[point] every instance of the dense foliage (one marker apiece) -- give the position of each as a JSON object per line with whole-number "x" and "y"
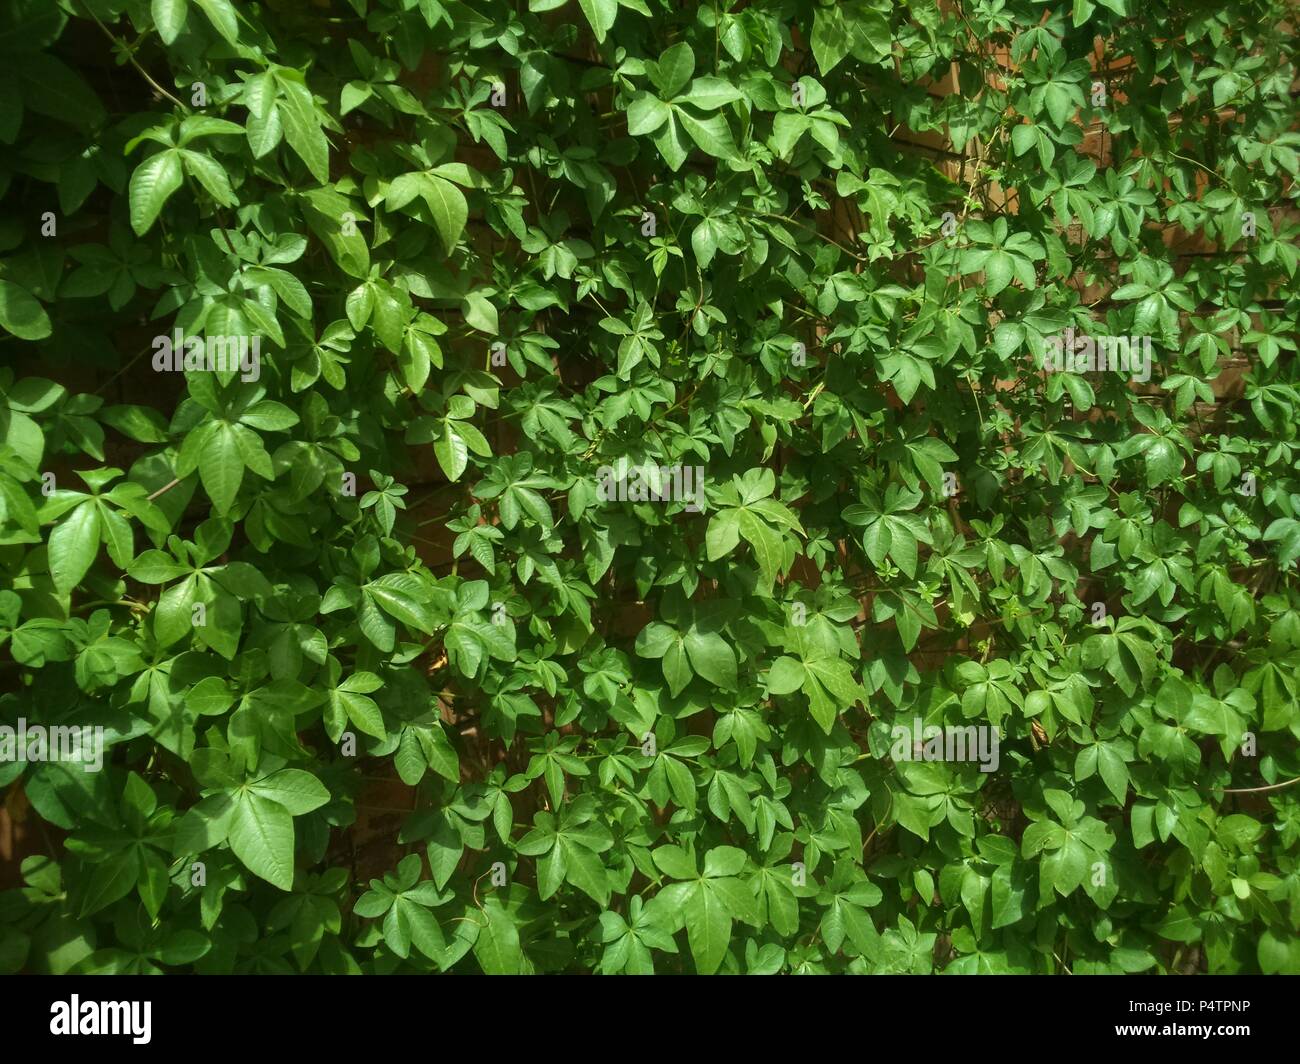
{"x": 489, "y": 251}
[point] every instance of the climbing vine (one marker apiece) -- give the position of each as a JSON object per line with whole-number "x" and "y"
{"x": 618, "y": 486}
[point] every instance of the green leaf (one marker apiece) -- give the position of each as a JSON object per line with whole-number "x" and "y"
{"x": 585, "y": 871}
{"x": 712, "y": 134}
{"x": 710, "y": 93}
{"x": 785, "y": 676}
{"x": 298, "y": 791}
{"x": 221, "y": 466}
{"x": 21, "y": 314}
{"x": 261, "y": 835}
{"x": 302, "y": 127}
{"x": 768, "y": 550}
{"x": 221, "y": 13}
{"x": 74, "y": 542}
{"x": 452, "y": 451}
{"x": 440, "y": 754}
{"x": 449, "y": 210}
{"x": 831, "y": 37}
{"x": 152, "y": 184}
{"x": 169, "y": 18}
{"x": 336, "y": 221}
{"x": 998, "y": 271}
{"x": 675, "y": 68}
{"x": 497, "y": 947}
{"x": 712, "y": 658}
{"x": 646, "y": 114}
{"x": 601, "y": 15}
{"x": 708, "y": 928}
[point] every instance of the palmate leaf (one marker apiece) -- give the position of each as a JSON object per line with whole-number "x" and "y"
{"x": 453, "y": 446}
{"x": 761, "y": 521}
{"x": 706, "y": 904}
{"x": 689, "y": 653}
{"x": 350, "y": 704}
{"x": 827, "y": 681}
{"x": 261, "y": 822}
{"x": 889, "y": 531}
{"x": 518, "y": 488}
{"x": 446, "y": 203}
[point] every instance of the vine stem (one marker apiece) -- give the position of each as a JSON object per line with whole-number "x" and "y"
{"x": 134, "y": 62}
{"x": 165, "y": 489}
{"x": 1260, "y": 790}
